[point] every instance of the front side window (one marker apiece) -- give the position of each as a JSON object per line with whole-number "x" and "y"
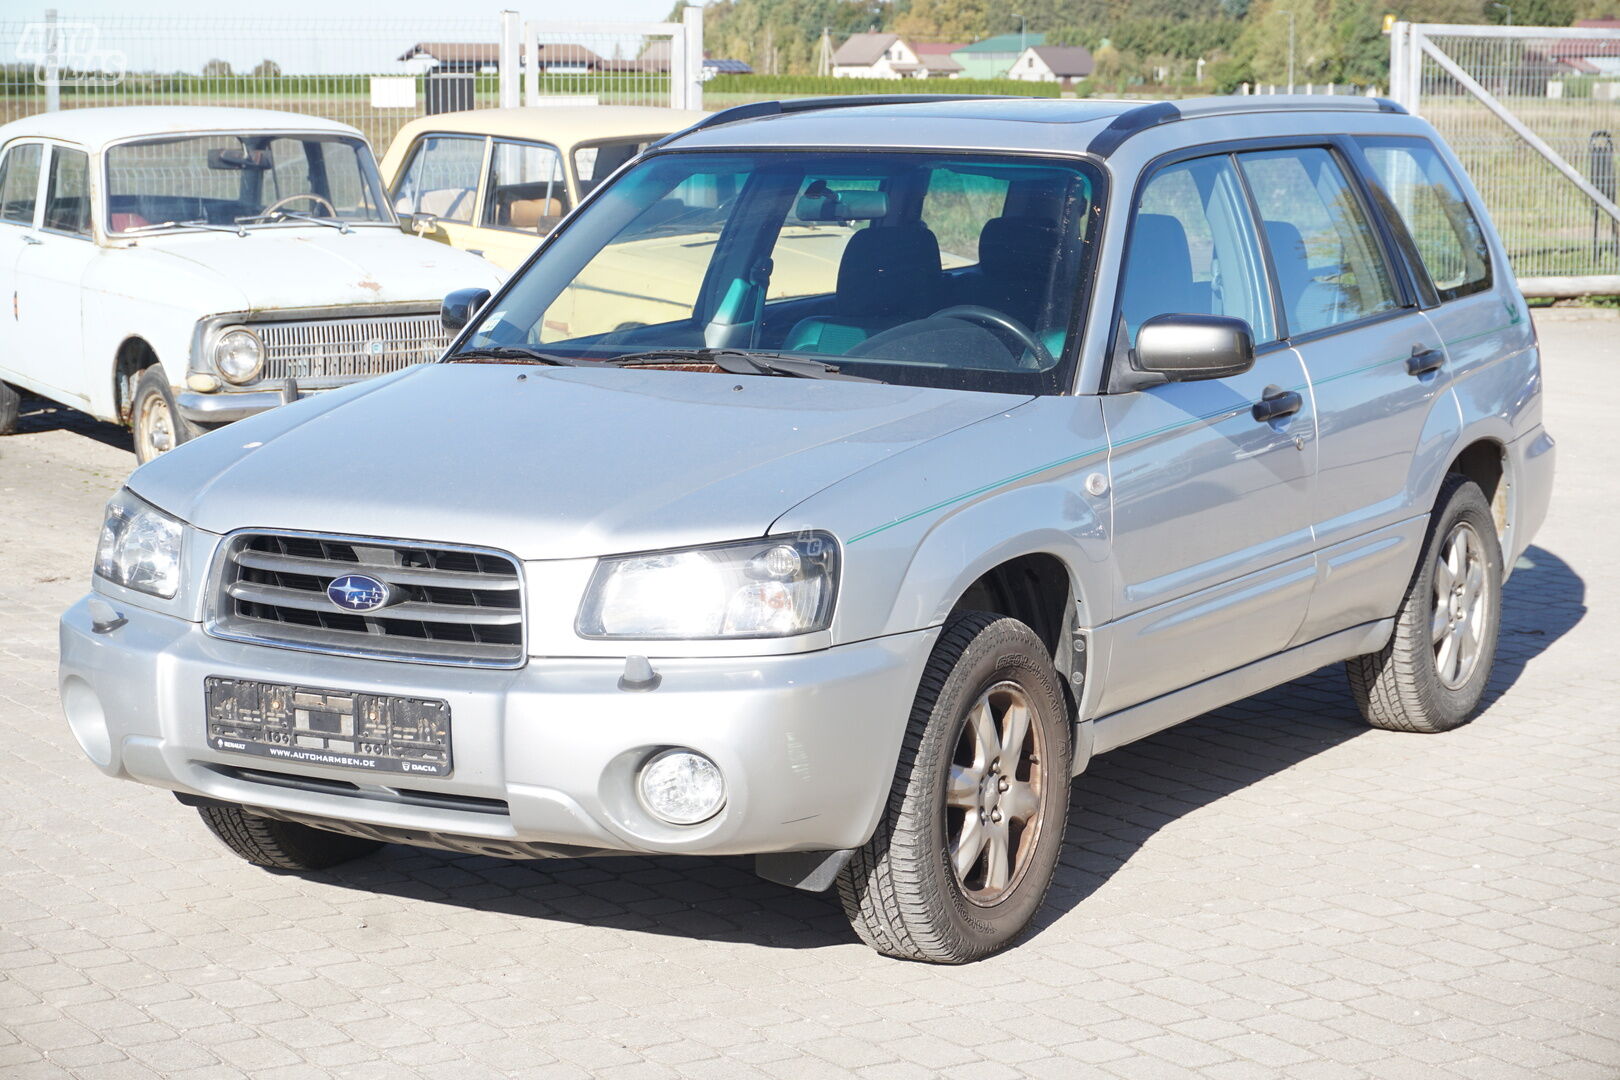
{"x": 67, "y": 192}
{"x": 19, "y": 183}
{"x": 1431, "y": 206}
{"x": 1330, "y": 267}
{"x": 442, "y": 178}
{"x": 1193, "y": 250}
{"x": 929, "y": 269}
{"x": 526, "y": 191}
{"x": 245, "y": 180}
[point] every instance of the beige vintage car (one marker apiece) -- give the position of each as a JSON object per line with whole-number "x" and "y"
{"x": 494, "y": 181}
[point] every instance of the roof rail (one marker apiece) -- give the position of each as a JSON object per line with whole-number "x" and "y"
{"x": 842, "y": 101}
{"x": 1152, "y": 114}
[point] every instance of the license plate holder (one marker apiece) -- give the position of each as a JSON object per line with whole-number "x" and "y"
{"x": 348, "y": 729}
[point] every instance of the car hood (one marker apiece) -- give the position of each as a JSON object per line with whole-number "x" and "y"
{"x": 549, "y": 463}
{"x": 316, "y": 266}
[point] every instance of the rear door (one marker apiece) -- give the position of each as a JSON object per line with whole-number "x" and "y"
{"x": 1374, "y": 363}
{"x": 22, "y": 175}
{"x": 1212, "y": 535}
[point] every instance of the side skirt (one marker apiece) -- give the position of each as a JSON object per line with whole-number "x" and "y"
{"x": 1139, "y": 721}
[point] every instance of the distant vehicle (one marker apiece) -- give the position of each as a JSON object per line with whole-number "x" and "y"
{"x": 494, "y": 181}
{"x": 1211, "y": 393}
{"x": 176, "y": 268}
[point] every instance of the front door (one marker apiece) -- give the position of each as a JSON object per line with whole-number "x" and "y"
{"x": 439, "y": 186}
{"x": 48, "y": 282}
{"x": 1212, "y": 532}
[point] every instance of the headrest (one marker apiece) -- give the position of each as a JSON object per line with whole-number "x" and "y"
{"x": 1017, "y": 245}
{"x": 890, "y": 270}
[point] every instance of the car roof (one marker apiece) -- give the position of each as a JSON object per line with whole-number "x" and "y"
{"x": 561, "y": 125}
{"x": 96, "y": 127}
{"x": 992, "y": 123}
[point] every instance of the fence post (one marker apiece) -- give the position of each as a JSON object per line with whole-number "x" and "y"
{"x": 53, "y": 77}
{"x": 507, "y": 63}
{"x": 692, "y": 20}
{"x": 531, "y": 65}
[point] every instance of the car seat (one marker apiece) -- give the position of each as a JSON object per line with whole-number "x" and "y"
{"x": 889, "y": 274}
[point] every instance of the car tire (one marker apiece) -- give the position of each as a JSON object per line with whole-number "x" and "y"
{"x": 10, "y": 407}
{"x": 1432, "y": 674}
{"x": 903, "y": 890}
{"x": 281, "y": 845}
{"x": 154, "y": 420}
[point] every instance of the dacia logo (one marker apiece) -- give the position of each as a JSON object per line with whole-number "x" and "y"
{"x": 357, "y": 592}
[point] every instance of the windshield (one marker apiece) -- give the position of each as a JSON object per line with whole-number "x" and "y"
{"x": 241, "y": 180}
{"x": 929, "y": 269}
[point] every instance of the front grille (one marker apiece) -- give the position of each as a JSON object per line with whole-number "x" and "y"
{"x": 343, "y": 349}
{"x": 450, "y": 605}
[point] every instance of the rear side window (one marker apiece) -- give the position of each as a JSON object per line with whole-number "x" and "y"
{"x": 1330, "y": 267}
{"x": 1193, "y": 250}
{"x": 526, "y": 190}
{"x": 1444, "y": 230}
{"x": 442, "y": 179}
{"x": 19, "y": 183}
{"x": 67, "y": 195}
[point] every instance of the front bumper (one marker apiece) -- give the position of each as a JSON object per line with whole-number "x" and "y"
{"x": 807, "y": 742}
{"x": 225, "y": 406}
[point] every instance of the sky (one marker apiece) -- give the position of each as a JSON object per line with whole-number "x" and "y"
{"x": 324, "y": 36}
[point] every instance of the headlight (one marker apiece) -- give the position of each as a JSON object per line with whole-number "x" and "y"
{"x": 238, "y": 355}
{"x": 140, "y": 546}
{"x": 774, "y": 587}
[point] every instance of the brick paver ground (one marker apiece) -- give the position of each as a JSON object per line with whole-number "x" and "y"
{"x": 1269, "y": 891}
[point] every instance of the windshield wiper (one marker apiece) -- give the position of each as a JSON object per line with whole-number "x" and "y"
{"x": 198, "y": 223}
{"x": 739, "y": 362}
{"x": 518, "y": 354}
{"x": 331, "y": 223}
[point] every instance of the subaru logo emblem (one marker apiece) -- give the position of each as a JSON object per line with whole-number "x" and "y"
{"x": 357, "y": 592}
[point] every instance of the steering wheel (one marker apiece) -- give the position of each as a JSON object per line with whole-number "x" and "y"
{"x": 999, "y": 320}
{"x": 310, "y": 195}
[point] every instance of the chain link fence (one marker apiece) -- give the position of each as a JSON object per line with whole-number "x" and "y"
{"x": 1562, "y": 87}
{"x": 373, "y": 74}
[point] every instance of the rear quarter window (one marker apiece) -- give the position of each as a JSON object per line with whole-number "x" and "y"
{"x": 1426, "y": 197}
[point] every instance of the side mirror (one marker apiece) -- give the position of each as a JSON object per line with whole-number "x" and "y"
{"x": 1185, "y": 348}
{"x": 460, "y": 306}
{"x": 418, "y": 224}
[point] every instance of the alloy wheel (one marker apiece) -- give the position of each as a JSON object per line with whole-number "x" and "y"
{"x": 993, "y": 799}
{"x": 1462, "y": 610}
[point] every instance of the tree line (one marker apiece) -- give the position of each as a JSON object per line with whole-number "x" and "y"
{"x": 1134, "y": 42}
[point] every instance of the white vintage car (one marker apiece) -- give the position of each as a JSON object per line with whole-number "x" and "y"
{"x": 176, "y": 268}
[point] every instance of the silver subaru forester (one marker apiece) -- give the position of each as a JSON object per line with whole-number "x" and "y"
{"x": 832, "y": 485}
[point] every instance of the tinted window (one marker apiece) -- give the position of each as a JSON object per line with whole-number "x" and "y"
{"x": 1330, "y": 268}
{"x": 442, "y": 179}
{"x": 593, "y": 164}
{"x": 19, "y": 183}
{"x": 1193, "y": 250}
{"x": 526, "y": 190}
{"x": 1444, "y": 230}
{"x": 67, "y": 194}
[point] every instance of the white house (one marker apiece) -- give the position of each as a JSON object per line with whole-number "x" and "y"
{"x": 1064, "y": 64}
{"x": 887, "y": 56}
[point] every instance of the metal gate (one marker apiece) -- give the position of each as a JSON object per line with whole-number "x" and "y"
{"x": 1533, "y": 112}
{"x": 587, "y": 61}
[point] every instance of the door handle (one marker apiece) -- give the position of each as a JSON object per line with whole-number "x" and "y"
{"x": 1422, "y": 361}
{"x": 1276, "y": 405}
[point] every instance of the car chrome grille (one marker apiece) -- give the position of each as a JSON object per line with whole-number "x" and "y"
{"x": 330, "y": 349}
{"x": 453, "y": 605}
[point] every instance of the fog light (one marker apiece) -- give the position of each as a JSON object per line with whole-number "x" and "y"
{"x": 87, "y": 720}
{"x": 682, "y": 787}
